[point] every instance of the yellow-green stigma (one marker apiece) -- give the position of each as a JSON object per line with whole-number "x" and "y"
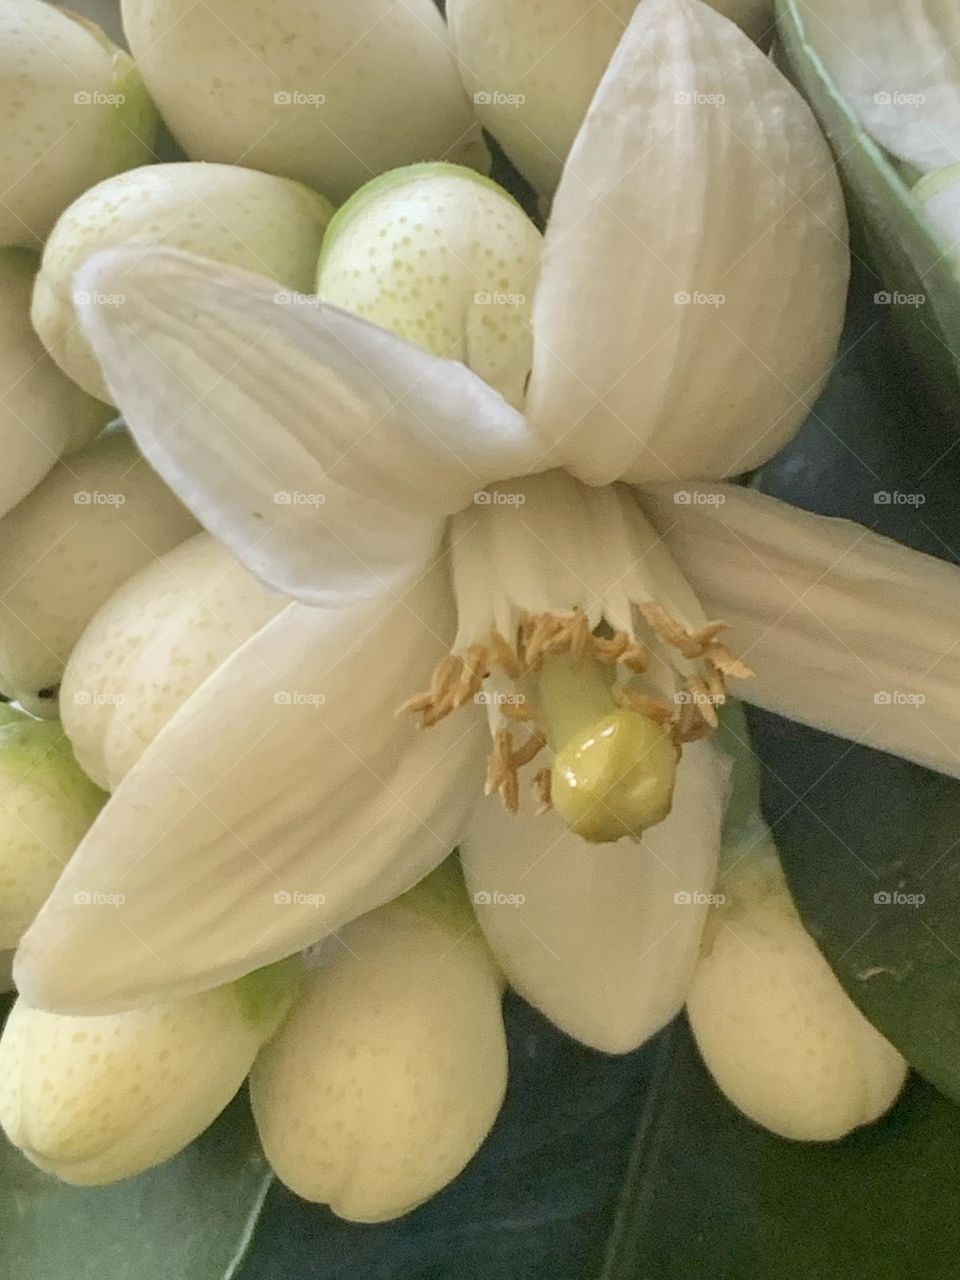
{"x": 614, "y": 768}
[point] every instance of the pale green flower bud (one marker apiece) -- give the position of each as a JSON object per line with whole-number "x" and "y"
{"x": 47, "y": 804}
{"x": 325, "y": 91}
{"x": 74, "y": 111}
{"x": 267, "y": 225}
{"x": 392, "y": 1067}
{"x": 445, "y": 258}
{"x": 86, "y": 528}
{"x": 780, "y": 1036}
{"x": 42, "y": 414}
{"x": 151, "y": 645}
{"x": 97, "y": 1099}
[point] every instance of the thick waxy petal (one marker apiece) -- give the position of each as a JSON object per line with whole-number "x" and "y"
{"x": 532, "y": 69}
{"x": 42, "y": 413}
{"x": 151, "y": 645}
{"x": 281, "y": 801}
{"x": 845, "y": 630}
{"x": 391, "y": 1069}
{"x": 443, "y": 257}
{"x": 694, "y": 269}
{"x": 320, "y": 448}
{"x": 781, "y": 1037}
{"x": 97, "y": 518}
{"x": 898, "y": 61}
{"x": 252, "y": 220}
{"x": 328, "y": 92}
{"x": 73, "y": 110}
{"x": 602, "y": 939}
{"x": 93, "y": 1100}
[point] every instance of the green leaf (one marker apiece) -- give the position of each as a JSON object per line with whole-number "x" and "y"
{"x": 190, "y": 1219}
{"x": 888, "y": 220}
{"x": 710, "y": 1196}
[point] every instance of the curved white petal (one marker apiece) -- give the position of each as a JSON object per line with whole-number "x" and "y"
{"x": 844, "y": 629}
{"x": 319, "y": 447}
{"x": 603, "y": 939}
{"x": 898, "y": 61}
{"x": 282, "y": 800}
{"x": 694, "y": 270}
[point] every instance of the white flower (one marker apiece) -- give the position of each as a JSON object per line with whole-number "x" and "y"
{"x": 384, "y": 455}
{"x": 329, "y": 93}
{"x": 74, "y": 111}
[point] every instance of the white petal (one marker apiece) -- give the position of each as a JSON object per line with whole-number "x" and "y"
{"x": 898, "y": 62}
{"x": 695, "y": 264}
{"x": 95, "y": 519}
{"x": 602, "y": 939}
{"x": 42, "y": 413}
{"x": 845, "y": 630}
{"x": 782, "y": 1038}
{"x": 391, "y": 1070}
{"x": 320, "y": 448}
{"x": 282, "y": 800}
{"x": 152, "y": 644}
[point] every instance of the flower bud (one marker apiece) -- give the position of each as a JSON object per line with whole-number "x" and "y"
{"x": 532, "y": 70}
{"x": 264, "y": 224}
{"x": 74, "y": 111}
{"x": 96, "y": 1099}
{"x": 46, "y": 805}
{"x": 319, "y": 90}
{"x": 151, "y": 645}
{"x": 391, "y": 1069}
{"x": 444, "y": 258}
{"x": 42, "y": 413}
{"x": 65, "y": 549}
{"x": 780, "y": 1036}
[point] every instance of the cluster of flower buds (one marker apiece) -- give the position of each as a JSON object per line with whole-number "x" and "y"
{"x": 334, "y": 193}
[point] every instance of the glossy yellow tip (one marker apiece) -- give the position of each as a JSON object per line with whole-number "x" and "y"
{"x": 615, "y": 778}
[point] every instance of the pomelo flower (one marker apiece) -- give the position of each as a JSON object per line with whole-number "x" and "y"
{"x": 689, "y": 299}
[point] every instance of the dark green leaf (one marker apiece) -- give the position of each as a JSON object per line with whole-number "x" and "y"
{"x": 191, "y": 1219}
{"x": 711, "y": 1196}
{"x": 888, "y": 218}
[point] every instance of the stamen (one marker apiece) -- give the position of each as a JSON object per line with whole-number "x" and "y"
{"x": 544, "y": 638}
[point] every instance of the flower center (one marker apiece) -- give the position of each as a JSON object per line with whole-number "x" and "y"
{"x": 577, "y": 692}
